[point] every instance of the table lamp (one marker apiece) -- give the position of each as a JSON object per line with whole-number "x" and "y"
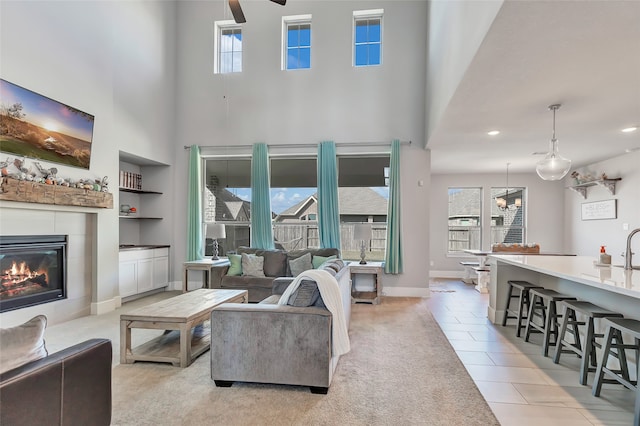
{"x": 215, "y": 231}
{"x": 362, "y": 232}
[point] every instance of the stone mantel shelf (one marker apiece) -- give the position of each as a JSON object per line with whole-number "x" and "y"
{"x": 40, "y": 193}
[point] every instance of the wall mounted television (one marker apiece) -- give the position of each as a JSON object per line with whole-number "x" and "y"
{"x": 35, "y": 126}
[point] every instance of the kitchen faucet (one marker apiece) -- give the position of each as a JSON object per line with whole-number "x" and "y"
{"x": 628, "y": 254}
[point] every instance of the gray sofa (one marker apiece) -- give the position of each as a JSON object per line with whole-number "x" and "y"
{"x": 271, "y": 343}
{"x": 276, "y": 264}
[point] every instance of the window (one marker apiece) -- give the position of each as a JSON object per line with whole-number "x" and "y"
{"x": 367, "y": 37}
{"x": 228, "y": 45}
{"x": 465, "y": 219}
{"x": 296, "y": 42}
{"x": 507, "y": 215}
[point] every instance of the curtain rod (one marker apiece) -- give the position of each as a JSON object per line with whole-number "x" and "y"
{"x": 300, "y": 145}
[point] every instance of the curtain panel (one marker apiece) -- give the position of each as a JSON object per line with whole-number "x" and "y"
{"x": 393, "y": 253}
{"x": 195, "y": 243}
{"x": 261, "y": 226}
{"x": 328, "y": 205}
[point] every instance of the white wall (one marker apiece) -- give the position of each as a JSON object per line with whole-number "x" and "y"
{"x": 584, "y": 237}
{"x": 544, "y": 201}
{"x": 114, "y": 60}
{"x": 331, "y": 101}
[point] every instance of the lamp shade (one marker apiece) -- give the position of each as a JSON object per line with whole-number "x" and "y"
{"x": 216, "y": 230}
{"x": 362, "y": 231}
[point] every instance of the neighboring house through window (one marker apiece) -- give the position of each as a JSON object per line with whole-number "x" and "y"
{"x": 465, "y": 219}
{"x": 296, "y": 41}
{"x": 228, "y": 47}
{"x": 508, "y": 215}
{"x": 367, "y": 37}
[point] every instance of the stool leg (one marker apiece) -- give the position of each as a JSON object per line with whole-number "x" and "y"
{"x": 563, "y": 330}
{"x": 604, "y": 356}
{"x": 636, "y": 417}
{"x": 622, "y": 356}
{"x": 589, "y": 352}
{"x": 548, "y": 321}
{"x": 506, "y": 309}
{"x": 522, "y": 305}
{"x": 527, "y": 330}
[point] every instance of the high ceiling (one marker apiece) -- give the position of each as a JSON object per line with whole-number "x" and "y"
{"x": 582, "y": 54}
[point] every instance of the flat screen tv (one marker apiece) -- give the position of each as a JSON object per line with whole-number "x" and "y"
{"x": 35, "y": 126}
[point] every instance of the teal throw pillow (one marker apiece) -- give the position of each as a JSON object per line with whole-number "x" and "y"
{"x": 236, "y": 265}
{"x": 319, "y": 260}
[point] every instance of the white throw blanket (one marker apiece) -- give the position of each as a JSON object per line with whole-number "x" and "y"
{"x": 330, "y": 293}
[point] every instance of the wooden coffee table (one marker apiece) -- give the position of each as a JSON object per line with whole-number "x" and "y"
{"x": 180, "y": 313}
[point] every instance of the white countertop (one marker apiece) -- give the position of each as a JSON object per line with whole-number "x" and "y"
{"x": 580, "y": 269}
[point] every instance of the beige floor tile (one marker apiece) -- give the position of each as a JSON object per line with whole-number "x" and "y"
{"x": 474, "y": 358}
{"x": 461, "y": 327}
{"x": 505, "y": 374}
{"x": 487, "y": 336}
{"x": 474, "y": 345}
{"x": 457, "y": 335}
{"x": 500, "y": 392}
{"x": 531, "y": 415}
{"x": 570, "y": 397}
{"x": 608, "y": 418}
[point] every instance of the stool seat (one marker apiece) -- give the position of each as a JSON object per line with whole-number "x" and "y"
{"x": 614, "y": 329}
{"x": 520, "y": 314}
{"x": 547, "y": 313}
{"x": 587, "y": 353}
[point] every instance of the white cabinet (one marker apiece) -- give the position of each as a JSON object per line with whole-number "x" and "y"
{"x": 143, "y": 270}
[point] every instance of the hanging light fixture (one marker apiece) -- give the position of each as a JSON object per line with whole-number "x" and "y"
{"x": 554, "y": 166}
{"x": 503, "y": 203}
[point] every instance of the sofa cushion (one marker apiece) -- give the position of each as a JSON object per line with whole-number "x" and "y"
{"x": 22, "y": 344}
{"x": 305, "y": 295}
{"x": 300, "y": 264}
{"x": 252, "y": 265}
{"x": 275, "y": 261}
{"x": 235, "y": 267}
{"x": 317, "y": 261}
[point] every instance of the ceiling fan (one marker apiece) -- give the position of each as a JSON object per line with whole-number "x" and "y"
{"x": 236, "y": 10}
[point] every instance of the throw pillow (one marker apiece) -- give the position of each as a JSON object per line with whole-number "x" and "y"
{"x": 236, "y": 265}
{"x": 301, "y": 264}
{"x": 307, "y": 294}
{"x": 319, "y": 260}
{"x": 22, "y": 344}
{"x": 252, "y": 265}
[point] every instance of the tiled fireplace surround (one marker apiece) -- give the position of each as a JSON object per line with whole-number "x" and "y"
{"x": 80, "y": 227}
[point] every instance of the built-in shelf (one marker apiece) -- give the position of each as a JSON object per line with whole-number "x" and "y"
{"x": 609, "y": 184}
{"x": 138, "y": 191}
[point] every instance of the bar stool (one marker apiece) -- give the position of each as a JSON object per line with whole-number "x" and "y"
{"x": 523, "y": 288}
{"x": 547, "y": 313}
{"x": 614, "y": 329}
{"x": 588, "y": 352}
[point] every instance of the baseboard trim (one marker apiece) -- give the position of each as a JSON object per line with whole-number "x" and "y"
{"x": 100, "y": 308}
{"x": 406, "y": 291}
{"x": 446, "y": 274}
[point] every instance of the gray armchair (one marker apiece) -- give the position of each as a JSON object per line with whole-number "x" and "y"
{"x": 271, "y": 343}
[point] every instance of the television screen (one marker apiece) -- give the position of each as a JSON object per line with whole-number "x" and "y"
{"x": 35, "y": 126}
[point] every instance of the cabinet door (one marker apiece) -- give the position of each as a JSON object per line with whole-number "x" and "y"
{"x": 128, "y": 277}
{"x": 145, "y": 275}
{"x": 160, "y": 272}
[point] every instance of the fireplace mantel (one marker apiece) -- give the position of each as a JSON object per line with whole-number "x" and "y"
{"x": 32, "y": 192}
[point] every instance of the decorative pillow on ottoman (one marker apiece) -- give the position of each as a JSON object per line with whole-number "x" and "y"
{"x": 307, "y": 294}
{"x": 252, "y": 265}
{"x": 22, "y": 344}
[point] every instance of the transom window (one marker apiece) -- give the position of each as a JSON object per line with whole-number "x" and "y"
{"x": 228, "y": 45}
{"x": 367, "y": 37}
{"x": 297, "y": 42}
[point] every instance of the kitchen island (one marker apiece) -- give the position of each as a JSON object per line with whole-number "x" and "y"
{"x": 610, "y": 287}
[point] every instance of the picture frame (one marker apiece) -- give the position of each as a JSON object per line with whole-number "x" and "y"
{"x": 599, "y": 210}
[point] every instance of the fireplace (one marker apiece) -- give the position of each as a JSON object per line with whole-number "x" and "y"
{"x": 32, "y": 270}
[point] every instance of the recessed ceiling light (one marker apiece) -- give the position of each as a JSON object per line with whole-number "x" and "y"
{"x": 630, "y": 129}
{"x": 493, "y": 132}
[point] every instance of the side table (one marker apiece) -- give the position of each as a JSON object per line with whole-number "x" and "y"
{"x": 204, "y": 265}
{"x": 370, "y": 268}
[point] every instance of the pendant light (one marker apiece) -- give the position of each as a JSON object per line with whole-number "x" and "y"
{"x": 503, "y": 203}
{"x": 554, "y": 166}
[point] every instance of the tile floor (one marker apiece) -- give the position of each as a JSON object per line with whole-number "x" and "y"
{"x": 521, "y": 386}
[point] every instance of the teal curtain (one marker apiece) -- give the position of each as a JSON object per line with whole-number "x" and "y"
{"x": 393, "y": 254}
{"x": 195, "y": 244}
{"x": 261, "y": 226}
{"x": 328, "y": 206}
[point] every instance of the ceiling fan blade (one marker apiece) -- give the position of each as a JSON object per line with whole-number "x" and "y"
{"x": 280, "y": 2}
{"x": 236, "y": 10}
